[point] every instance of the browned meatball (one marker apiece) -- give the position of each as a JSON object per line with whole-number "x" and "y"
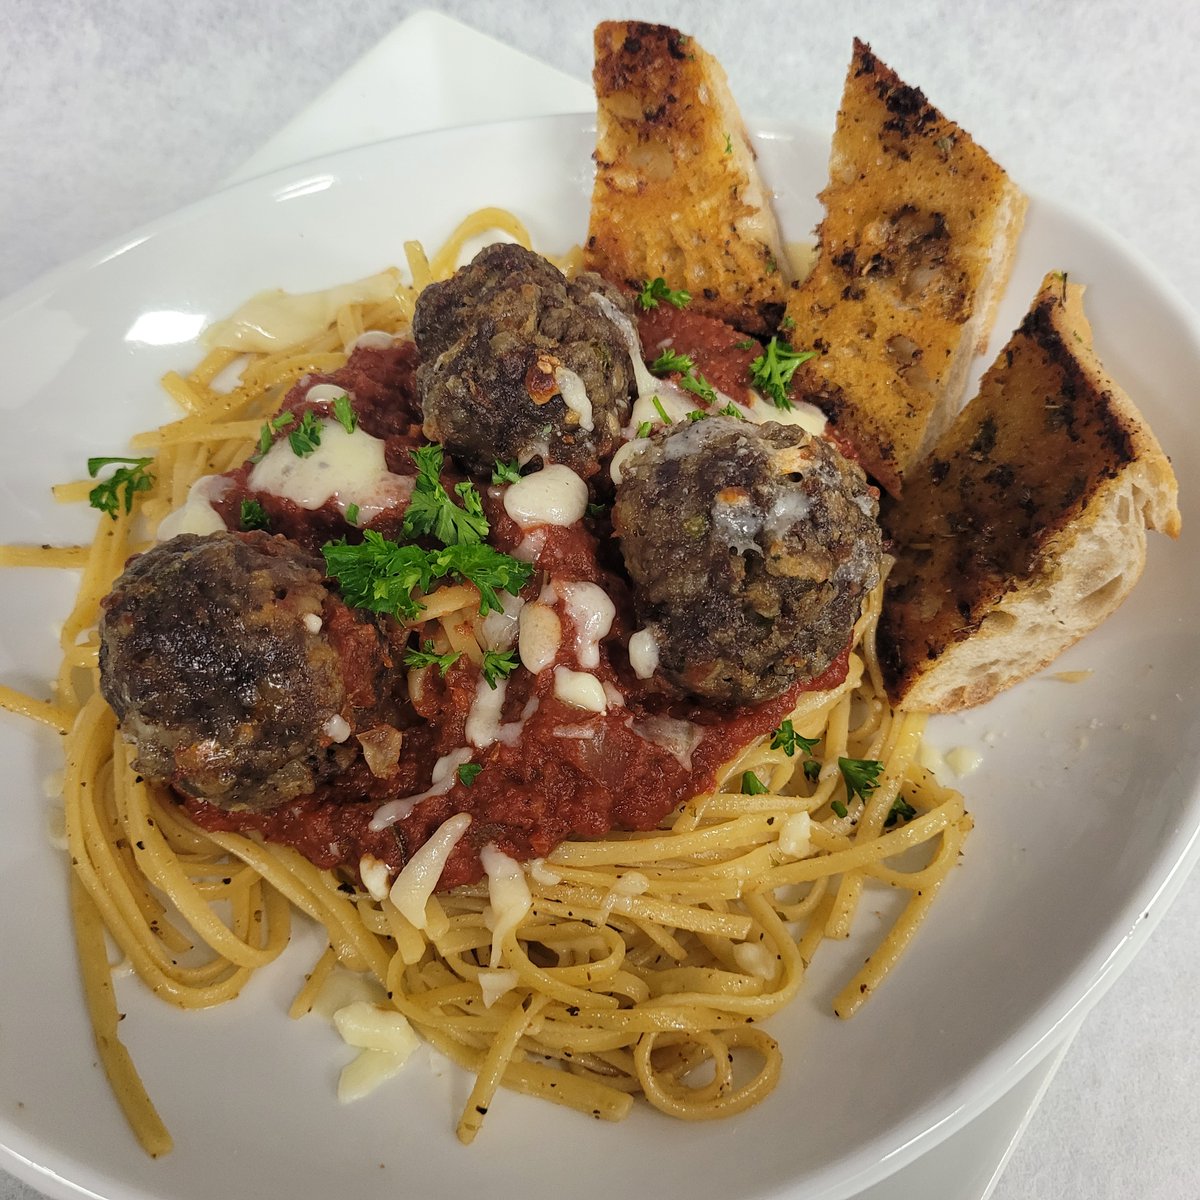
{"x": 234, "y": 670}
{"x": 750, "y": 548}
{"x": 518, "y": 362}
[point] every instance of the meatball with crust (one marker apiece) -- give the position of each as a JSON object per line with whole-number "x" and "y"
{"x": 235, "y": 671}
{"x": 750, "y": 548}
{"x": 518, "y": 362}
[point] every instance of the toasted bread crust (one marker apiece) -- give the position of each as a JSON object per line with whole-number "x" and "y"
{"x": 677, "y": 193}
{"x": 1025, "y": 527}
{"x": 914, "y": 252}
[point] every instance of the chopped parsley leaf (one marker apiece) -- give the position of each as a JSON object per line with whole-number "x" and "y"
{"x": 431, "y": 511}
{"x": 643, "y": 430}
{"x": 861, "y": 776}
{"x": 901, "y": 810}
{"x": 748, "y": 344}
{"x": 468, "y": 773}
{"x": 596, "y": 510}
{"x": 700, "y": 386}
{"x": 812, "y": 770}
{"x": 654, "y": 290}
{"x": 118, "y": 490}
{"x": 506, "y": 472}
{"x": 344, "y": 413}
{"x": 306, "y": 437}
{"x": 697, "y": 414}
{"x": 266, "y": 435}
{"x": 771, "y": 372}
{"x": 731, "y": 410}
{"x": 839, "y": 808}
{"x": 662, "y": 412}
{"x": 428, "y": 657}
{"x": 352, "y": 513}
{"x": 752, "y": 785}
{"x": 728, "y": 144}
{"x": 253, "y": 516}
{"x": 669, "y": 363}
{"x": 486, "y": 568}
{"x": 786, "y": 738}
{"x": 498, "y": 664}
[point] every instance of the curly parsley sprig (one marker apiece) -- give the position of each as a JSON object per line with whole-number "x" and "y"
{"x": 771, "y": 372}
{"x": 431, "y": 511}
{"x": 118, "y": 490}
{"x": 654, "y": 290}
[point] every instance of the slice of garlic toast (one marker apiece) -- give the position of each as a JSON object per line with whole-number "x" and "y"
{"x": 914, "y": 252}
{"x": 1026, "y": 525}
{"x": 677, "y": 191}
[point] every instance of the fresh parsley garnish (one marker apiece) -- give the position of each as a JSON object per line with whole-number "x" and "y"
{"x": 596, "y": 510}
{"x": 696, "y": 383}
{"x": 119, "y": 489}
{"x": 468, "y": 773}
{"x": 839, "y": 808}
{"x": 506, "y": 472}
{"x": 731, "y": 410}
{"x": 786, "y": 738}
{"x": 381, "y": 576}
{"x": 488, "y": 569}
{"x": 428, "y": 657}
{"x": 253, "y": 516}
{"x": 812, "y": 770}
{"x": 697, "y": 414}
{"x": 752, "y": 785}
{"x": 728, "y": 144}
{"x": 669, "y": 363}
{"x": 654, "y": 290}
{"x": 352, "y": 511}
{"x": 771, "y": 372}
{"x": 662, "y": 412}
{"x": 861, "y": 776}
{"x": 432, "y": 511}
{"x": 306, "y": 437}
{"x": 344, "y": 413}
{"x": 901, "y": 810}
{"x": 497, "y": 665}
{"x": 266, "y": 435}
{"x": 643, "y": 430}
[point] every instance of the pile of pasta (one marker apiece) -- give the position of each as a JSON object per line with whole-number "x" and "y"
{"x": 646, "y": 963}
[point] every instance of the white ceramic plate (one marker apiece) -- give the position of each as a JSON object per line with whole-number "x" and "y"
{"x": 1086, "y": 806}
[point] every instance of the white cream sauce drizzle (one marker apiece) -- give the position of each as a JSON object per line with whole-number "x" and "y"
{"x": 555, "y": 495}
{"x": 348, "y": 468}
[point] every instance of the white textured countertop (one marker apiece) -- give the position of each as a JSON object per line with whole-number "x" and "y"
{"x": 117, "y": 113}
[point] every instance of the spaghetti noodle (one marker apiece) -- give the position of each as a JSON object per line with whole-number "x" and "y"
{"x": 636, "y": 960}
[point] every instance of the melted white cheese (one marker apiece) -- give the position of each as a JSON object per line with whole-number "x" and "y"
{"x": 371, "y": 339}
{"x": 197, "y": 514}
{"x": 445, "y": 774}
{"x": 348, "y": 468}
{"x": 483, "y": 719}
{"x": 794, "y": 835}
{"x": 620, "y": 460}
{"x": 337, "y": 728}
{"x": 540, "y": 636}
{"x": 555, "y": 495}
{"x": 508, "y": 895}
{"x": 494, "y": 984}
{"x": 276, "y": 319}
{"x": 574, "y": 396}
{"x": 591, "y": 612}
{"x": 643, "y": 653}
{"x": 375, "y": 876}
{"x": 419, "y": 878}
{"x": 679, "y": 737}
{"x": 580, "y": 690}
{"x": 500, "y": 628}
